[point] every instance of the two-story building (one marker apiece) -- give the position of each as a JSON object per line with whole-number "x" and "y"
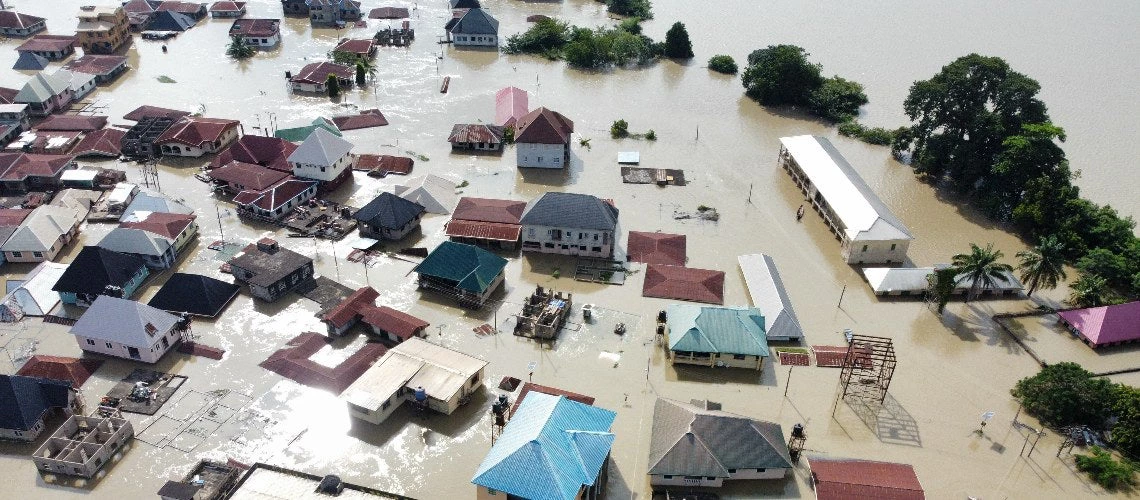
{"x": 127, "y": 329}
{"x": 102, "y": 29}
{"x": 270, "y": 271}
{"x": 569, "y": 224}
{"x": 542, "y": 139}
{"x": 473, "y": 28}
{"x": 332, "y": 12}
{"x": 96, "y": 271}
{"x": 260, "y": 33}
{"x": 195, "y": 136}
{"x": 323, "y": 157}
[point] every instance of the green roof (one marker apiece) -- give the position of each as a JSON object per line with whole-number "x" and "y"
{"x": 728, "y": 330}
{"x": 299, "y": 134}
{"x": 471, "y": 268}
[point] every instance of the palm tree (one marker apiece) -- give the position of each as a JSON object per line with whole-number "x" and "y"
{"x": 1043, "y": 265}
{"x": 368, "y": 65}
{"x": 1090, "y": 290}
{"x": 238, "y": 49}
{"x": 980, "y": 268}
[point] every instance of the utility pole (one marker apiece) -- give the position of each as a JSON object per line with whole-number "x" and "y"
{"x": 789, "y": 382}
{"x": 219, "y": 212}
{"x": 749, "y": 193}
{"x": 335, "y": 262}
{"x": 841, "y": 294}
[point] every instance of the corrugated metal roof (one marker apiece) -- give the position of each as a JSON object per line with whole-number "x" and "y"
{"x": 729, "y": 330}
{"x": 656, "y": 248}
{"x": 321, "y": 148}
{"x": 124, "y": 321}
{"x": 692, "y": 441}
{"x": 35, "y": 296}
{"x": 838, "y": 479}
{"x": 570, "y": 210}
{"x": 549, "y": 450}
{"x": 914, "y": 280}
{"x": 389, "y": 211}
{"x": 683, "y": 283}
{"x": 483, "y": 230}
{"x": 768, "y": 293}
{"x": 472, "y": 268}
{"x": 415, "y": 362}
{"x": 434, "y": 193}
{"x": 1107, "y": 324}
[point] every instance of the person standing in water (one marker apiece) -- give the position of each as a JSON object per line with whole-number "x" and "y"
{"x": 800, "y": 213}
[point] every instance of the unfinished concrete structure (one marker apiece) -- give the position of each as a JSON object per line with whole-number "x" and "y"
{"x": 83, "y": 445}
{"x": 139, "y": 140}
{"x": 868, "y": 368}
{"x": 544, "y": 314}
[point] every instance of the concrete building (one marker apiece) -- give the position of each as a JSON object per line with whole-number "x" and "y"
{"x": 473, "y": 28}
{"x": 127, "y": 329}
{"x": 313, "y": 76}
{"x": 569, "y": 224}
{"x": 542, "y": 139}
{"x": 195, "y": 136}
{"x": 716, "y": 336}
{"x": 16, "y": 25}
{"x": 486, "y": 222}
{"x": 42, "y": 235}
{"x": 768, "y": 294}
{"x": 323, "y": 157}
{"x": 465, "y": 273}
{"x": 26, "y": 401}
{"x": 102, "y": 29}
{"x": 97, "y": 271}
{"x": 260, "y": 33}
{"x": 869, "y": 231}
{"x": 269, "y": 270}
{"x": 389, "y": 217}
{"x": 46, "y": 93}
{"x": 50, "y": 47}
{"x": 83, "y": 445}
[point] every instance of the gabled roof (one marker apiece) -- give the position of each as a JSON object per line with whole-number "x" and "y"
{"x": 24, "y": 400}
{"x": 72, "y": 122}
{"x": 434, "y": 193}
{"x": 543, "y": 126}
{"x": 726, "y": 330}
{"x": 388, "y": 211}
{"x": 43, "y": 86}
{"x": 270, "y": 152}
{"x": 136, "y": 241}
{"x": 352, "y": 306}
{"x": 8, "y": 95}
{"x": 247, "y": 175}
{"x": 196, "y": 131}
{"x": 862, "y": 214}
{"x": 464, "y": 4}
{"x": 188, "y": 8}
{"x": 140, "y": 6}
{"x": 12, "y": 217}
{"x": 321, "y": 148}
{"x": 42, "y": 229}
{"x": 34, "y": 296}
{"x": 470, "y": 267}
{"x": 96, "y": 268}
{"x": 28, "y": 61}
{"x": 146, "y": 111}
{"x": 124, "y": 321}
{"x": 194, "y": 294}
{"x": 106, "y": 142}
{"x": 549, "y": 450}
{"x": 914, "y": 280}
{"x": 684, "y": 283}
{"x": 72, "y": 370}
{"x": 570, "y": 210}
{"x": 768, "y": 294}
{"x": 20, "y": 166}
{"x": 476, "y": 21}
{"x": 844, "y": 479}
{"x": 170, "y": 21}
{"x": 489, "y": 210}
{"x": 318, "y": 72}
{"x": 96, "y": 64}
{"x": 149, "y": 202}
{"x": 475, "y": 132}
{"x": 656, "y": 248}
{"x": 414, "y": 363}
{"x": 360, "y": 46}
{"x": 276, "y": 196}
{"x": 388, "y": 13}
{"x": 365, "y": 119}
{"x": 14, "y": 20}
{"x": 227, "y": 6}
{"x": 1106, "y": 324}
{"x": 689, "y": 440}
{"x": 48, "y": 43}
{"x": 398, "y": 323}
{"x": 511, "y": 103}
{"x": 162, "y": 224}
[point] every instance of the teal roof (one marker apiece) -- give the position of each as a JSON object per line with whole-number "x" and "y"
{"x": 729, "y": 330}
{"x": 549, "y": 450}
{"x": 299, "y": 134}
{"x": 472, "y": 268}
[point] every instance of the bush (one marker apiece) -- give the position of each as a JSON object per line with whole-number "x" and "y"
{"x": 781, "y": 74}
{"x": 723, "y": 64}
{"x": 547, "y": 36}
{"x": 1065, "y": 394}
{"x": 677, "y": 43}
{"x": 636, "y": 8}
{"x": 651, "y": 135}
{"x": 877, "y": 135}
{"x": 1106, "y": 470}
{"x": 619, "y": 129}
{"x": 837, "y": 99}
{"x": 631, "y": 25}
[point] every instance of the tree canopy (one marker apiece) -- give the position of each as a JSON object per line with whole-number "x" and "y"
{"x": 723, "y": 64}
{"x": 238, "y": 49}
{"x": 586, "y": 48}
{"x": 783, "y": 75}
{"x": 677, "y": 43}
{"x": 1065, "y": 394}
{"x": 636, "y": 8}
{"x": 1042, "y": 266}
{"x": 980, "y": 267}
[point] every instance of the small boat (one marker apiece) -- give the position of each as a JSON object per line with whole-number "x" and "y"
{"x": 202, "y": 177}
{"x": 619, "y": 329}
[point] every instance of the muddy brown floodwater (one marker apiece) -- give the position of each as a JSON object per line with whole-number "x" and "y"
{"x": 951, "y": 369}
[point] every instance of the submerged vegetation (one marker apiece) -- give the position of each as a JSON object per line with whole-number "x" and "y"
{"x": 781, "y": 75}
{"x": 238, "y": 49}
{"x": 587, "y": 48}
{"x": 636, "y": 8}
{"x": 620, "y": 130}
{"x": 723, "y": 64}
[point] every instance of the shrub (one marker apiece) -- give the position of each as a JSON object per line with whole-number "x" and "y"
{"x": 837, "y": 99}
{"x": 619, "y": 129}
{"x": 723, "y": 64}
{"x": 636, "y": 8}
{"x": 1065, "y": 394}
{"x": 1106, "y": 470}
{"x": 651, "y": 135}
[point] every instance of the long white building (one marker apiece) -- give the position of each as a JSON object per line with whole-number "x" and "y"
{"x": 869, "y": 231}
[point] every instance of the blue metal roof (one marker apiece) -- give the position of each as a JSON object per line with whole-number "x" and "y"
{"x": 729, "y": 330}
{"x": 549, "y": 450}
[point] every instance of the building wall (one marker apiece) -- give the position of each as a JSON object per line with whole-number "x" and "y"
{"x": 718, "y": 360}
{"x": 281, "y": 287}
{"x": 186, "y": 236}
{"x": 179, "y": 149}
{"x": 716, "y": 482}
{"x": 307, "y": 87}
{"x": 263, "y": 42}
{"x": 106, "y": 41}
{"x": 108, "y": 436}
{"x": 147, "y": 354}
{"x": 336, "y": 332}
{"x": 875, "y": 251}
{"x": 548, "y": 239}
{"x": 376, "y": 417}
{"x": 542, "y": 155}
{"x": 82, "y": 91}
{"x": 377, "y": 232}
{"x": 461, "y": 39}
{"x": 54, "y": 55}
{"x": 25, "y": 31}
{"x": 478, "y": 146}
{"x": 21, "y": 435}
{"x": 324, "y": 173}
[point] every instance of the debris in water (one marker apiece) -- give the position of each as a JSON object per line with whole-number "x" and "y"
{"x": 166, "y": 79}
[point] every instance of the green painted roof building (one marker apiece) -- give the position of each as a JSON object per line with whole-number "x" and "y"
{"x": 468, "y": 273}
{"x": 717, "y": 335}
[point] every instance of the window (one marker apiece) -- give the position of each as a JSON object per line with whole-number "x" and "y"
{"x": 17, "y": 254}
{"x": 732, "y": 471}
{"x": 893, "y": 245}
{"x": 583, "y": 248}
{"x": 581, "y": 236}
{"x": 109, "y": 346}
{"x": 90, "y": 342}
{"x": 596, "y": 249}
{"x": 760, "y": 470}
{"x": 739, "y": 356}
{"x": 565, "y": 247}
{"x": 864, "y": 248}
{"x": 530, "y": 232}
{"x": 595, "y": 236}
{"x": 386, "y": 404}
{"x": 37, "y": 255}
{"x": 492, "y": 492}
{"x": 710, "y": 478}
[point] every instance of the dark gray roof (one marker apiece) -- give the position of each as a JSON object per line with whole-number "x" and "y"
{"x": 476, "y": 22}
{"x": 464, "y": 4}
{"x": 96, "y": 268}
{"x": 194, "y": 294}
{"x": 389, "y": 211}
{"x": 269, "y": 267}
{"x": 178, "y": 491}
{"x": 571, "y": 210}
{"x": 166, "y": 20}
{"x": 23, "y": 400}
{"x": 690, "y": 440}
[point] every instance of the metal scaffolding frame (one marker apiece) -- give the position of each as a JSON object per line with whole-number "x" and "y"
{"x": 868, "y": 368}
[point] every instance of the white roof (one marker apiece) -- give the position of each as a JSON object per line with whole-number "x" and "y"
{"x": 80, "y": 200}
{"x": 42, "y": 87}
{"x": 150, "y": 202}
{"x": 913, "y": 280}
{"x": 629, "y": 157}
{"x": 75, "y": 79}
{"x": 41, "y": 229}
{"x": 768, "y": 295}
{"x": 124, "y": 321}
{"x": 434, "y": 193}
{"x": 122, "y": 193}
{"x": 862, "y": 213}
{"x": 321, "y": 148}
{"x": 136, "y": 241}
{"x": 35, "y": 296}
{"x": 79, "y": 174}
{"x": 265, "y": 484}
{"x": 13, "y": 108}
{"x": 442, "y": 373}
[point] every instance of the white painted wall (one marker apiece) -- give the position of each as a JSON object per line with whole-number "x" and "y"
{"x": 875, "y": 252}
{"x": 597, "y": 243}
{"x": 321, "y": 172}
{"x": 533, "y": 155}
{"x": 475, "y": 40}
{"x": 147, "y": 354}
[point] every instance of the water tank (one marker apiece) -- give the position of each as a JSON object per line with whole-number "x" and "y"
{"x": 288, "y": 75}
{"x": 421, "y": 395}
{"x": 798, "y": 430}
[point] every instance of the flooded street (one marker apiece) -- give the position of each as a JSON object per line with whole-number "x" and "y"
{"x": 950, "y": 371}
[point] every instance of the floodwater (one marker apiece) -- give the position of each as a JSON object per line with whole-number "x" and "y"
{"x": 951, "y": 370}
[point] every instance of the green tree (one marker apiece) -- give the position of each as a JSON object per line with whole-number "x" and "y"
{"x": 1126, "y": 430}
{"x": 1089, "y": 290}
{"x": 1106, "y": 470}
{"x": 238, "y": 49}
{"x": 545, "y": 36}
{"x": 619, "y": 129}
{"x": 781, "y": 74}
{"x": 1065, "y": 394}
{"x": 636, "y": 8}
{"x": 361, "y": 74}
{"x": 677, "y": 43}
{"x": 723, "y": 64}
{"x": 942, "y": 283}
{"x": 1043, "y": 265}
{"x": 631, "y": 25}
{"x": 332, "y": 85}
{"x": 1113, "y": 267}
{"x": 837, "y": 99}
{"x": 980, "y": 268}
{"x": 1031, "y": 153}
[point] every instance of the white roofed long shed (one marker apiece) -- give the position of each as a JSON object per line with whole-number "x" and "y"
{"x": 768, "y": 295}
{"x": 870, "y": 232}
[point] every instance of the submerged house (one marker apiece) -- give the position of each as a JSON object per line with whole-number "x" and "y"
{"x": 194, "y": 294}
{"x": 26, "y": 401}
{"x": 476, "y": 136}
{"x": 226, "y": 8}
{"x": 323, "y": 157}
{"x": 127, "y": 329}
{"x": 313, "y": 76}
{"x": 569, "y": 224}
{"x": 869, "y": 231}
{"x": 486, "y": 222}
{"x": 23, "y": 172}
{"x": 50, "y": 47}
{"x": 542, "y": 139}
{"x": 332, "y": 12}
{"x": 466, "y": 273}
{"x": 269, "y": 152}
{"x": 195, "y": 136}
{"x": 269, "y": 270}
{"x": 418, "y": 371}
{"x": 103, "y": 67}
{"x": 843, "y": 479}
{"x": 389, "y": 217}
{"x": 511, "y": 103}
{"x": 718, "y": 336}
{"x": 180, "y": 228}
{"x": 277, "y": 201}
{"x": 698, "y": 444}
{"x": 42, "y": 235}
{"x": 434, "y": 193}
{"x": 768, "y": 294}
{"x": 83, "y": 445}
{"x": 914, "y": 281}
{"x": 1105, "y": 325}
{"x": 155, "y": 250}
{"x": 34, "y": 295}
{"x": 343, "y": 316}
{"x": 46, "y": 94}
{"x": 102, "y": 29}
{"x": 474, "y": 28}
{"x": 17, "y": 25}
{"x": 260, "y": 33}
{"x": 96, "y": 271}
{"x": 392, "y": 325}
{"x": 552, "y": 448}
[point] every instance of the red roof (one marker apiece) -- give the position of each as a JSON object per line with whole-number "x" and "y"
{"x": 255, "y": 27}
{"x": 684, "y": 283}
{"x": 361, "y": 46}
{"x": 388, "y": 13}
{"x": 227, "y": 7}
{"x": 553, "y": 391}
{"x": 510, "y": 104}
{"x": 247, "y": 175}
{"x": 475, "y": 132}
{"x": 196, "y": 131}
{"x": 293, "y": 363}
{"x": 19, "y": 166}
{"x": 188, "y": 8}
{"x": 72, "y": 122}
{"x": 543, "y": 126}
{"x": 153, "y": 111}
{"x": 276, "y": 196}
{"x": 318, "y": 72}
{"x": 399, "y": 323}
{"x": 385, "y": 163}
{"x": 483, "y": 230}
{"x": 164, "y": 224}
{"x": 94, "y": 64}
{"x": 489, "y": 210}
{"x": 15, "y": 20}
{"x": 8, "y": 95}
{"x": 365, "y": 119}
{"x": 268, "y": 152}
{"x": 104, "y": 142}
{"x": 13, "y": 216}
{"x": 656, "y": 248}
{"x": 47, "y": 43}
{"x": 350, "y": 307}
{"x": 1107, "y": 324}
{"x": 864, "y": 480}
{"x": 73, "y": 370}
